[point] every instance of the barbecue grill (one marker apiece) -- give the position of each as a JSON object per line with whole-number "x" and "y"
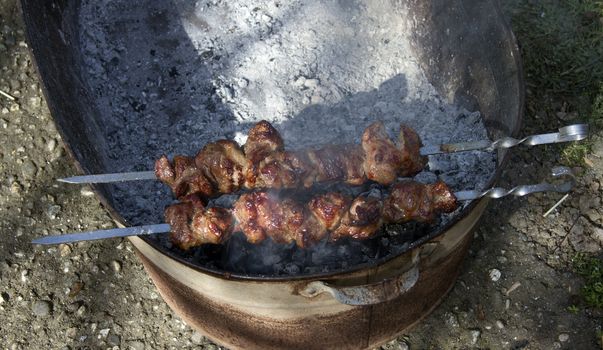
{"x": 467, "y": 52}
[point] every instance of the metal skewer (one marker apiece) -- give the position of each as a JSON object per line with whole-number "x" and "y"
{"x": 495, "y": 192}
{"x": 568, "y": 133}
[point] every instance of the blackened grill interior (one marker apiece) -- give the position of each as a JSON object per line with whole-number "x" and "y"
{"x": 445, "y": 52}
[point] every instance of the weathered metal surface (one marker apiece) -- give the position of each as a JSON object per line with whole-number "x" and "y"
{"x": 465, "y": 48}
{"x": 368, "y": 294}
{"x": 276, "y": 315}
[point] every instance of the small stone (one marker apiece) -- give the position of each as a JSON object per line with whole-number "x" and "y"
{"x": 598, "y": 234}
{"x": 29, "y": 169}
{"x": 52, "y": 211}
{"x": 563, "y": 337}
{"x": 475, "y": 334}
{"x": 104, "y": 332}
{"x": 51, "y": 145}
{"x": 451, "y": 320}
{"x": 35, "y": 101}
{"x": 584, "y": 203}
{"x": 81, "y": 310}
{"x": 299, "y": 81}
{"x": 116, "y": 266}
{"x": 71, "y": 332}
{"x": 197, "y": 338}
{"x": 495, "y": 275}
{"x": 594, "y": 216}
{"x": 227, "y": 93}
{"x": 136, "y": 345}
{"x": 15, "y": 187}
{"x": 14, "y": 107}
{"x": 86, "y": 191}
{"x": 42, "y": 308}
{"x": 64, "y": 250}
{"x": 72, "y": 307}
{"x": 24, "y": 276}
{"x": 114, "y": 340}
{"x": 500, "y": 324}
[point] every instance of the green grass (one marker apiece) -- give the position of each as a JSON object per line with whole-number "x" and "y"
{"x": 562, "y": 50}
{"x": 574, "y": 309}
{"x": 591, "y": 269}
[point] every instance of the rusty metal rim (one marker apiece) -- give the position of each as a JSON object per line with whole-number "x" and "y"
{"x": 235, "y": 276}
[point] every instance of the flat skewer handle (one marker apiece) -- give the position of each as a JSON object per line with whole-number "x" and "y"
{"x": 575, "y": 132}
{"x": 519, "y": 191}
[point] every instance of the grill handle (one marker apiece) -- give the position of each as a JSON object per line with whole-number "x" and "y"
{"x": 369, "y": 294}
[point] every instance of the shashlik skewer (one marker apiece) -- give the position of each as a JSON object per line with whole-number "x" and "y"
{"x": 224, "y": 167}
{"x": 575, "y": 132}
{"x": 496, "y": 192}
{"x": 263, "y": 214}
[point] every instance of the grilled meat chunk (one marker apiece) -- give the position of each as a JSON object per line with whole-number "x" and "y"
{"x": 337, "y": 163}
{"x": 224, "y": 164}
{"x": 183, "y": 177}
{"x": 180, "y": 216}
{"x": 409, "y": 144}
{"x": 361, "y": 220}
{"x": 262, "y": 140}
{"x": 261, "y": 215}
{"x": 279, "y": 170}
{"x": 413, "y": 201}
{"x": 224, "y": 167}
{"x": 384, "y": 160}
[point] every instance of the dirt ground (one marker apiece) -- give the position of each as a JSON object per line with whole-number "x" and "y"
{"x": 97, "y": 295}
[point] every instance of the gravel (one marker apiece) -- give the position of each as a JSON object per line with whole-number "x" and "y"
{"x": 537, "y": 250}
{"x": 42, "y": 308}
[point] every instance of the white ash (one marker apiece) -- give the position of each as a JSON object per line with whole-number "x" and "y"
{"x": 169, "y": 77}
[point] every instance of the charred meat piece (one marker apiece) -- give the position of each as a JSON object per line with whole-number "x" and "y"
{"x": 261, "y": 215}
{"x": 245, "y": 212}
{"x": 279, "y": 170}
{"x": 183, "y": 177}
{"x": 382, "y": 159}
{"x": 212, "y": 225}
{"x": 409, "y": 145}
{"x": 224, "y": 164}
{"x": 385, "y": 161}
{"x": 337, "y": 163}
{"x": 164, "y": 170}
{"x": 361, "y": 220}
{"x": 180, "y": 217}
{"x": 329, "y": 208}
{"x": 413, "y": 201}
{"x": 262, "y": 140}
